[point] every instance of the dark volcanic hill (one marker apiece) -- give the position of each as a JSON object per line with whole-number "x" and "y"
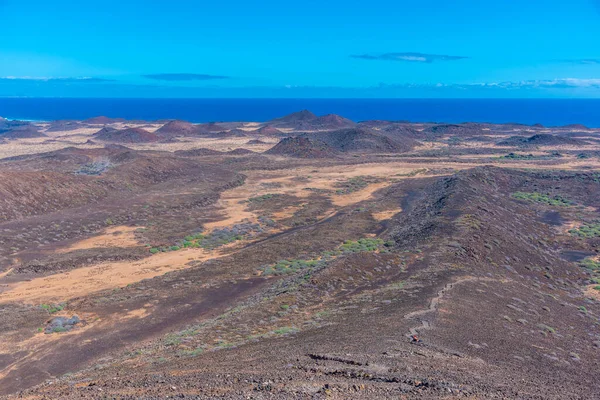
{"x": 129, "y": 135}
{"x": 19, "y": 130}
{"x": 302, "y": 147}
{"x": 60, "y": 126}
{"x": 211, "y": 127}
{"x": 240, "y": 152}
{"x": 452, "y": 129}
{"x": 255, "y": 141}
{"x": 541, "y": 139}
{"x": 379, "y": 123}
{"x": 268, "y": 130}
{"x": 579, "y": 127}
{"x": 197, "y": 152}
{"x": 177, "y": 128}
{"x": 401, "y": 132}
{"x": 306, "y": 120}
{"x": 294, "y": 118}
{"x": 361, "y": 140}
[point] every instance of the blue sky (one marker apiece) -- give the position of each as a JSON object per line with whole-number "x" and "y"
{"x": 334, "y": 48}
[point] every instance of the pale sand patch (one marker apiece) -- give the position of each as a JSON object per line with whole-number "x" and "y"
{"x": 219, "y": 144}
{"x": 117, "y": 236}
{"x": 344, "y": 200}
{"x": 384, "y": 215}
{"x": 79, "y": 282}
{"x": 287, "y": 212}
{"x": 137, "y": 313}
{"x": 592, "y": 293}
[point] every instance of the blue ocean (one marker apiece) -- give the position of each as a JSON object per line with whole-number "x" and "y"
{"x": 548, "y": 112}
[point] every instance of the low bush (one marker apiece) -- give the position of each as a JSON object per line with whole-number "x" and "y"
{"x": 52, "y": 308}
{"x": 262, "y": 198}
{"x": 535, "y": 197}
{"x": 587, "y": 230}
{"x": 361, "y": 245}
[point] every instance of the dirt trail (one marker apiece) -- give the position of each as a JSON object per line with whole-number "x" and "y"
{"x": 425, "y": 324}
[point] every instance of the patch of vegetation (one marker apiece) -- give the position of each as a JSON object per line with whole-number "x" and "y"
{"x": 587, "y": 230}
{"x": 362, "y": 245}
{"x": 94, "y": 168}
{"x": 191, "y": 353}
{"x": 284, "y": 267}
{"x": 469, "y": 221}
{"x": 546, "y": 328}
{"x": 355, "y": 184}
{"x": 515, "y": 156}
{"x": 217, "y": 238}
{"x": 286, "y": 330}
{"x": 413, "y": 173}
{"x": 262, "y": 198}
{"x": 173, "y": 340}
{"x": 52, "y": 308}
{"x": 535, "y": 197}
{"x": 590, "y": 264}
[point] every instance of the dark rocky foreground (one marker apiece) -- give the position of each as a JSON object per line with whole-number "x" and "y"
{"x": 469, "y": 298}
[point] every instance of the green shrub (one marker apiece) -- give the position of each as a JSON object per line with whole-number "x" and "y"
{"x": 361, "y": 245}
{"x": 587, "y": 230}
{"x": 192, "y": 353}
{"x": 262, "y": 198}
{"x": 535, "y": 197}
{"x": 285, "y": 330}
{"x": 355, "y": 184}
{"x": 546, "y": 328}
{"x": 53, "y": 308}
{"x": 590, "y": 264}
{"x": 284, "y": 267}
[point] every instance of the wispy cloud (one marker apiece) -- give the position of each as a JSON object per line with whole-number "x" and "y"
{"x": 584, "y": 61}
{"x": 184, "y": 77}
{"x": 84, "y": 79}
{"x": 409, "y": 57}
{"x": 562, "y": 83}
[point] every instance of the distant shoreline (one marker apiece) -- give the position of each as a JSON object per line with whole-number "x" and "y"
{"x": 548, "y": 112}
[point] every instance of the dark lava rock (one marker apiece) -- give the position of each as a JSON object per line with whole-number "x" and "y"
{"x": 61, "y": 324}
{"x": 129, "y": 135}
{"x": 302, "y": 147}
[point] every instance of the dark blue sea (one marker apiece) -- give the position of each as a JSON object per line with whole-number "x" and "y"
{"x": 548, "y": 112}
